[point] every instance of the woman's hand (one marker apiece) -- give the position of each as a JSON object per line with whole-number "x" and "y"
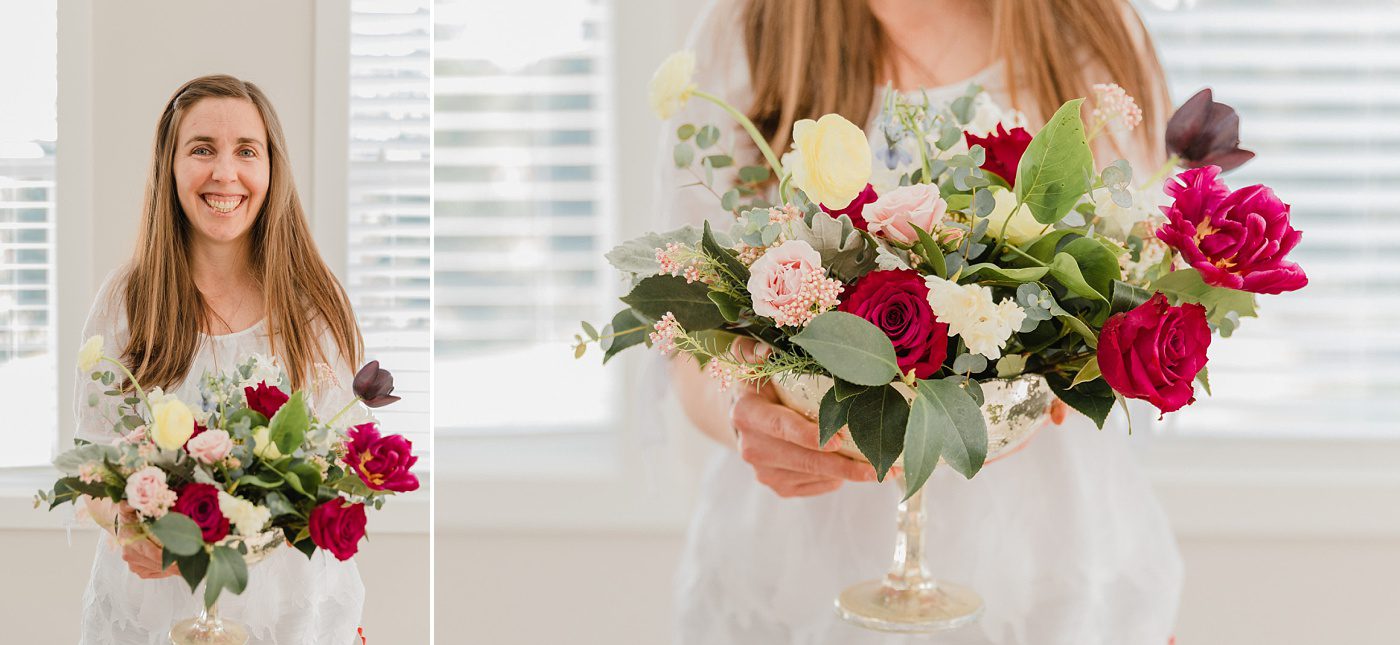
{"x": 141, "y": 554}
{"x": 782, "y": 445}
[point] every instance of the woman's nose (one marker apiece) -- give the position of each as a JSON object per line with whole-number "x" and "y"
{"x": 225, "y": 168}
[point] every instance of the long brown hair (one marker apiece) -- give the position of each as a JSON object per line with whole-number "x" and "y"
{"x": 165, "y": 311}
{"x": 832, "y": 53}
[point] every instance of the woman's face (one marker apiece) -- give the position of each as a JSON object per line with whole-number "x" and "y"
{"x": 221, "y": 167}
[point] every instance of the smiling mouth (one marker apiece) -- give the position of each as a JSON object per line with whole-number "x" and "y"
{"x": 223, "y": 203}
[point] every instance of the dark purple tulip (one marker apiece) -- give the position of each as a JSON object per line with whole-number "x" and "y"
{"x": 1206, "y": 133}
{"x": 374, "y": 386}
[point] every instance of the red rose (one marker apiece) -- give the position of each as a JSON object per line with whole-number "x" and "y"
{"x": 897, "y": 303}
{"x": 856, "y": 208}
{"x": 337, "y": 527}
{"x": 1235, "y": 240}
{"x": 1003, "y": 150}
{"x": 200, "y": 502}
{"x": 1154, "y": 351}
{"x": 265, "y": 399}
{"x": 383, "y": 463}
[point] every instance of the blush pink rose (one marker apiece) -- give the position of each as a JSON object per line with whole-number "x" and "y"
{"x": 210, "y": 446}
{"x": 894, "y": 214}
{"x": 148, "y": 492}
{"x": 788, "y": 284}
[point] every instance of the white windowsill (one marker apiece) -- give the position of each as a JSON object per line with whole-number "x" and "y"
{"x": 1210, "y": 488}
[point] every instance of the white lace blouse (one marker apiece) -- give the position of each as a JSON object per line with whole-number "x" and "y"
{"x": 290, "y": 600}
{"x": 1065, "y": 540}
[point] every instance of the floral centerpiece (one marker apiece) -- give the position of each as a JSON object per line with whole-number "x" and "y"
{"x": 954, "y": 248}
{"x": 219, "y": 482}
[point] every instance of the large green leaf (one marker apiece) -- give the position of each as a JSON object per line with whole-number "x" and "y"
{"x": 688, "y": 302}
{"x": 630, "y": 331}
{"x": 288, "y": 426}
{"x": 1097, "y": 264}
{"x": 193, "y": 568}
{"x": 1186, "y": 285}
{"x": 1094, "y": 398}
{"x": 963, "y": 426}
{"x": 877, "y": 419}
{"x": 178, "y": 534}
{"x": 1066, "y": 270}
{"x": 1126, "y": 297}
{"x": 726, "y": 259}
{"x": 831, "y": 417}
{"x": 989, "y": 270}
{"x": 931, "y": 252}
{"x": 1046, "y": 246}
{"x": 1057, "y": 167}
{"x": 850, "y": 348}
{"x": 227, "y": 570}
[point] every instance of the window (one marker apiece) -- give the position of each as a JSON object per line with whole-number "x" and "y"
{"x": 523, "y": 201}
{"x": 28, "y": 316}
{"x": 388, "y": 273}
{"x": 1317, "y": 87}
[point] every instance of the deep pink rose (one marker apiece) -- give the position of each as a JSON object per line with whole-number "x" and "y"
{"x": 265, "y": 399}
{"x": 856, "y": 209}
{"x": 200, "y": 502}
{"x": 337, "y": 527}
{"x": 1236, "y": 240}
{"x": 383, "y": 462}
{"x": 1003, "y": 150}
{"x": 897, "y": 303}
{"x": 1154, "y": 351}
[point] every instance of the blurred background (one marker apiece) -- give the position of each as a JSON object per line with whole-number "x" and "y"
{"x": 565, "y": 487}
{"x": 80, "y": 92}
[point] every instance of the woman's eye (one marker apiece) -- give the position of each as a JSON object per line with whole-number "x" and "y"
{"x": 203, "y": 151}
{"x": 248, "y": 152}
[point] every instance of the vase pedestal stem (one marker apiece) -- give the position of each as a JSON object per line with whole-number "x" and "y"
{"x": 208, "y": 629}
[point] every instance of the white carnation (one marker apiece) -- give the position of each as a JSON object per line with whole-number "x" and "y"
{"x": 970, "y": 313}
{"x": 248, "y": 518}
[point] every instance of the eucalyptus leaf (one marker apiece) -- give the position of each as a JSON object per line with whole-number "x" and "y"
{"x": 1011, "y": 365}
{"x": 719, "y": 161}
{"x": 850, "y": 348}
{"x": 754, "y": 174}
{"x": 683, "y": 154}
{"x": 708, "y": 136}
{"x": 983, "y": 203}
{"x": 686, "y": 131}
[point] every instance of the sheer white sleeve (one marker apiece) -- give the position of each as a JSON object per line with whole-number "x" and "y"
{"x": 721, "y": 70}
{"x": 98, "y": 420}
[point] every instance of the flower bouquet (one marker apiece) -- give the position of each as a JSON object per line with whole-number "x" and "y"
{"x": 221, "y": 484}
{"x": 929, "y": 283}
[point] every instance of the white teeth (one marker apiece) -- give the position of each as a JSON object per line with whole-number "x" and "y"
{"x": 223, "y": 204}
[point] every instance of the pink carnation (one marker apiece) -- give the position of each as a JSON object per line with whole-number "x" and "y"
{"x": 210, "y": 446}
{"x": 147, "y": 492}
{"x": 895, "y": 214}
{"x": 789, "y": 285}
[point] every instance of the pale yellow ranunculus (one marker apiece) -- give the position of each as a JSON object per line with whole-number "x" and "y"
{"x": 173, "y": 424}
{"x": 1023, "y": 227}
{"x": 672, "y": 84}
{"x": 833, "y": 160}
{"x": 90, "y": 355}
{"x": 263, "y": 445}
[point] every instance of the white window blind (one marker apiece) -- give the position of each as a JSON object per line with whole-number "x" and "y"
{"x": 390, "y": 228}
{"x": 1317, "y": 88}
{"x": 28, "y": 316}
{"x": 522, "y": 198}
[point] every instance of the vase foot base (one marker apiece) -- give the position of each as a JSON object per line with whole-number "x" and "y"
{"x": 196, "y": 632}
{"x": 873, "y": 605}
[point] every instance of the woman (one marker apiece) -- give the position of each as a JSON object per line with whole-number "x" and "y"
{"x": 224, "y": 267}
{"x": 1064, "y": 540}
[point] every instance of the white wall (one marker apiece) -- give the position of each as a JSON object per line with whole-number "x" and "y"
{"x": 119, "y": 62}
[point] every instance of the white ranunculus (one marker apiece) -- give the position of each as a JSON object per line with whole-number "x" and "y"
{"x": 1023, "y": 227}
{"x": 172, "y": 424}
{"x": 90, "y": 355}
{"x": 970, "y": 312}
{"x": 672, "y": 84}
{"x": 248, "y": 518}
{"x": 263, "y": 445}
{"x": 835, "y": 160}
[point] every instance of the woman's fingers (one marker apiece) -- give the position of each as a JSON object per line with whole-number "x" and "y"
{"x": 770, "y": 452}
{"x": 143, "y": 558}
{"x": 755, "y": 413}
{"x": 787, "y": 483}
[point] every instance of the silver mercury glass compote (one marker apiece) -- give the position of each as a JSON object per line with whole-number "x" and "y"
{"x": 907, "y": 599}
{"x": 211, "y": 629}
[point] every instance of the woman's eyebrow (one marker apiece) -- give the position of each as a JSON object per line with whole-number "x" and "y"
{"x": 208, "y": 139}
